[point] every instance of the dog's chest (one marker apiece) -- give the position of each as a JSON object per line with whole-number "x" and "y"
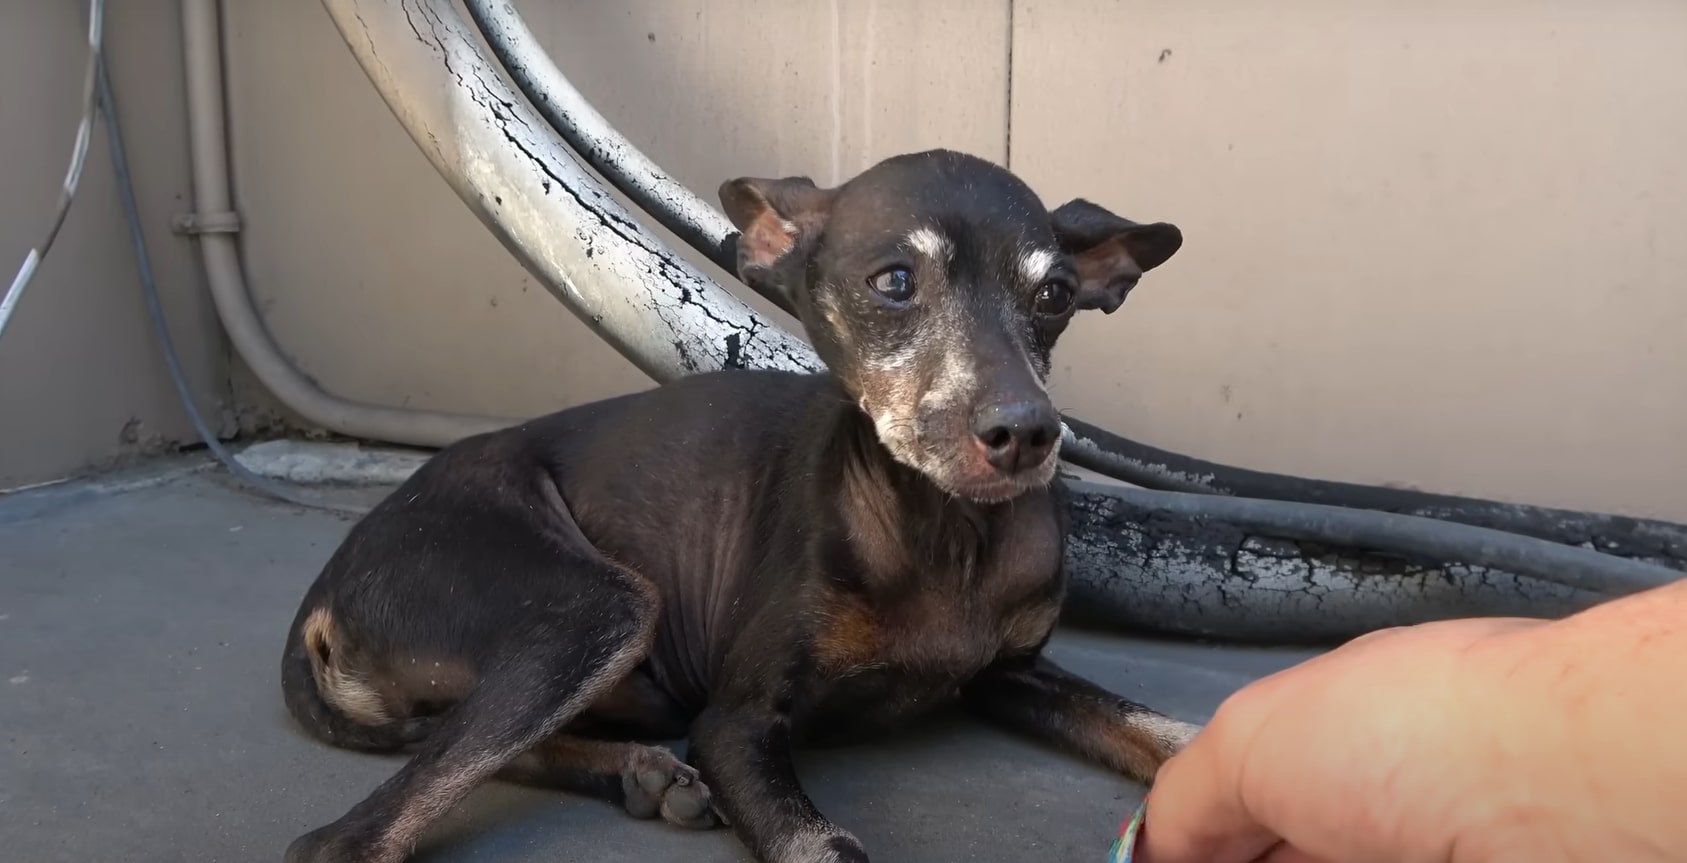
{"x": 913, "y": 639}
{"x": 875, "y": 668}
{"x": 937, "y": 631}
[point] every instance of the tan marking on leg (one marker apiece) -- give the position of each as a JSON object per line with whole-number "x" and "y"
{"x": 1138, "y": 743}
{"x": 567, "y": 752}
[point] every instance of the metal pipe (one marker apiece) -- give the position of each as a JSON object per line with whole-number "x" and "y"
{"x": 155, "y": 309}
{"x": 220, "y": 252}
{"x": 600, "y": 144}
{"x": 663, "y": 315}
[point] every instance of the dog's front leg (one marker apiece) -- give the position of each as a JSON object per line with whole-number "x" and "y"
{"x": 1037, "y": 698}
{"x": 744, "y": 754}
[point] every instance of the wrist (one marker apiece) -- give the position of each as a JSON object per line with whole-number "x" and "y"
{"x": 1570, "y": 714}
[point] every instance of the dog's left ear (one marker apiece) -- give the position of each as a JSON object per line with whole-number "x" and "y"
{"x": 1111, "y": 252}
{"x": 773, "y": 217}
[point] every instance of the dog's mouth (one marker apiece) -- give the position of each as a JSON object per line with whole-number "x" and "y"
{"x": 980, "y": 483}
{"x": 999, "y": 491}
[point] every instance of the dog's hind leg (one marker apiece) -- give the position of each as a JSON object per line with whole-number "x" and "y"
{"x": 647, "y": 780}
{"x": 579, "y": 640}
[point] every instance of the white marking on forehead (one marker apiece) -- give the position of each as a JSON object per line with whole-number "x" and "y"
{"x": 928, "y": 242}
{"x": 1036, "y": 263}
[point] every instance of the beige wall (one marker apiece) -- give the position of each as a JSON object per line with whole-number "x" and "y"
{"x": 82, "y": 382}
{"x": 1431, "y": 243}
{"x": 1428, "y": 243}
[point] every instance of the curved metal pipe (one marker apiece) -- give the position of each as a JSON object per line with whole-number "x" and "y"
{"x": 601, "y": 145}
{"x": 202, "y": 50}
{"x": 705, "y": 229}
{"x": 670, "y": 320}
{"x": 509, "y": 168}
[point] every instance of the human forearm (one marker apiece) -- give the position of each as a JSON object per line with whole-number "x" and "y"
{"x": 1590, "y": 703}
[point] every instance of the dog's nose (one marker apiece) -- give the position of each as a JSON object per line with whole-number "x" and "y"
{"x": 1017, "y": 435}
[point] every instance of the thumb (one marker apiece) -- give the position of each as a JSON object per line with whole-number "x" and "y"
{"x": 1195, "y": 811}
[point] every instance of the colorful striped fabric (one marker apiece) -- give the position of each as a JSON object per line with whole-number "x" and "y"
{"x": 1126, "y": 843}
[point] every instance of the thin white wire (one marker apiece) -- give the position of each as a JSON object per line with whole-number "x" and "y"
{"x": 73, "y": 177}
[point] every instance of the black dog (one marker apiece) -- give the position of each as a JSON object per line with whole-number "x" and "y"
{"x": 758, "y": 560}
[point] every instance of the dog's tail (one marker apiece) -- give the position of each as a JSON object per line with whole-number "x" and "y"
{"x": 309, "y": 670}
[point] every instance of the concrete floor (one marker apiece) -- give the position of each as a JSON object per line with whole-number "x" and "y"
{"x": 141, "y": 622}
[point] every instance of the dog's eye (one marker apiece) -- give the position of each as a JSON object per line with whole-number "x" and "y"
{"x": 1054, "y": 299}
{"x": 895, "y": 284}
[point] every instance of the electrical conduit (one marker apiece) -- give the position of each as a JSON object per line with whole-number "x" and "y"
{"x": 214, "y": 212}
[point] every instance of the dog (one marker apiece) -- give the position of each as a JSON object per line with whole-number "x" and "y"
{"x": 752, "y": 561}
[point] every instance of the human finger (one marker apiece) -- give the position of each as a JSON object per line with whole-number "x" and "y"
{"x": 1195, "y": 811}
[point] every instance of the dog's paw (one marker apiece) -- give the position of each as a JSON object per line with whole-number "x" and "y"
{"x": 1166, "y": 738}
{"x": 819, "y": 846}
{"x": 1176, "y": 734}
{"x": 657, "y": 783}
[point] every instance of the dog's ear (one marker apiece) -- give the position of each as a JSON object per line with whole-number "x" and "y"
{"x": 1111, "y": 252}
{"x": 772, "y": 217}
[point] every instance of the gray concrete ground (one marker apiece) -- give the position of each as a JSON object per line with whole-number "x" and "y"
{"x": 141, "y": 622}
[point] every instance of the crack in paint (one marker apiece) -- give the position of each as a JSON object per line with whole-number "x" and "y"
{"x": 701, "y": 319}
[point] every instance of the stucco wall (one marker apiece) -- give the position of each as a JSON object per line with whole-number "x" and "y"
{"x": 1428, "y": 243}
{"x": 82, "y": 382}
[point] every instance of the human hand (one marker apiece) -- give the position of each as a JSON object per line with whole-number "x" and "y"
{"x": 1409, "y": 744}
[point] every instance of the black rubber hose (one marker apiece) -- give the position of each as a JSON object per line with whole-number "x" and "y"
{"x": 1139, "y": 464}
{"x": 1141, "y": 569}
{"x": 1405, "y": 534}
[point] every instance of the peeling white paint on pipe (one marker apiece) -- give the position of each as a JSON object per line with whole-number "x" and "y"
{"x": 653, "y": 306}
{"x": 600, "y": 144}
